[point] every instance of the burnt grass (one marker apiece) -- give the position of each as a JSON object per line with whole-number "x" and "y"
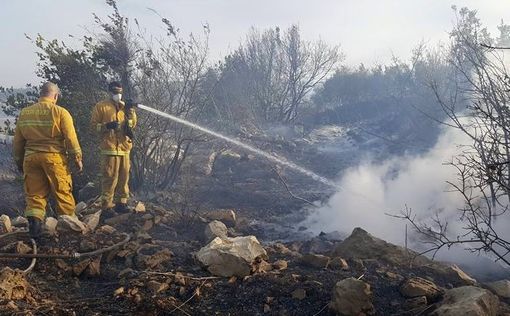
{"x": 189, "y": 289}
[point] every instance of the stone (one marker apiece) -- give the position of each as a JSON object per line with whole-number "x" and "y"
{"x": 316, "y": 261}
{"x": 153, "y": 260}
{"x": 267, "y": 308}
{"x": 468, "y": 301}
{"x": 5, "y": 224}
{"x": 70, "y": 224}
{"x": 215, "y": 229}
{"x": 119, "y": 219}
{"x": 500, "y": 288}
{"x": 92, "y": 220}
{"x": 231, "y": 256}
{"x": 462, "y": 275}
{"x": 262, "y": 267}
{"x": 223, "y": 215}
{"x": 87, "y": 245}
{"x": 62, "y": 265}
{"x": 50, "y": 225}
{"x": 338, "y": 263}
{"x": 80, "y": 207}
{"x": 147, "y": 225}
{"x": 79, "y": 267}
{"x": 94, "y": 267}
{"x": 19, "y": 221}
{"x": 140, "y": 207}
{"x": 280, "y": 265}
{"x": 299, "y": 294}
{"x": 352, "y": 297}
{"x": 157, "y": 287}
{"x": 106, "y": 229}
{"x": 416, "y": 286}
{"x": 414, "y": 303}
{"x": 13, "y": 285}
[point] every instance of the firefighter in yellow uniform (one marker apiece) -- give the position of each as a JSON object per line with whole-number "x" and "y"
{"x": 114, "y": 120}
{"x": 44, "y": 139}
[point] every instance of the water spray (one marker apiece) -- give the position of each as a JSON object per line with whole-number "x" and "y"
{"x": 271, "y": 157}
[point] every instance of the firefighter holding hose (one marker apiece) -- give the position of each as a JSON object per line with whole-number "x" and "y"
{"x": 43, "y": 142}
{"x": 113, "y": 120}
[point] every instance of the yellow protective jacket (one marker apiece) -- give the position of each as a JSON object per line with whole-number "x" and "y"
{"x": 112, "y": 142}
{"x": 45, "y": 127}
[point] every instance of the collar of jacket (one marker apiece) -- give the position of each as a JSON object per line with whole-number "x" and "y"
{"x": 47, "y": 100}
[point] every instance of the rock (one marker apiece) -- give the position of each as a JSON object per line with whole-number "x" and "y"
{"x": 116, "y": 220}
{"x": 50, "y": 225}
{"x": 299, "y": 294}
{"x": 352, "y": 297}
{"x": 338, "y": 263}
{"x": 61, "y": 264}
{"x": 462, "y": 275}
{"x": 16, "y": 247}
{"x": 92, "y": 220}
{"x": 415, "y": 287}
{"x": 280, "y": 265}
{"x": 468, "y": 301}
{"x": 147, "y": 225}
{"x": 231, "y": 256}
{"x": 19, "y": 221}
{"x": 106, "y": 229}
{"x": 215, "y": 229}
{"x": 317, "y": 261}
{"x": 153, "y": 260}
{"x": 79, "y": 267}
{"x": 414, "y": 303}
{"x": 262, "y": 267}
{"x": 70, "y": 224}
{"x": 94, "y": 267}
{"x": 5, "y": 224}
{"x": 267, "y": 308}
{"x": 80, "y": 207}
{"x": 157, "y": 287}
{"x": 13, "y": 285}
{"x": 317, "y": 245}
{"x": 87, "y": 245}
{"x": 362, "y": 245}
{"x": 140, "y": 207}
{"x": 500, "y": 288}
{"x": 358, "y": 265}
{"x": 223, "y": 215}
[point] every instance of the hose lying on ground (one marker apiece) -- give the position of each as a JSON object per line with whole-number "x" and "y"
{"x": 34, "y": 260}
{"x": 74, "y": 255}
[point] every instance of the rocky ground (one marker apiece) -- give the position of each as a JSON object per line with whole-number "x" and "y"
{"x": 204, "y": 264}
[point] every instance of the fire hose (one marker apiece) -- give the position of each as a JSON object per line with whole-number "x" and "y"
{"x": 75, "y": 255}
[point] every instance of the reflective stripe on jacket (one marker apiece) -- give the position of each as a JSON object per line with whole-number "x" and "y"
{"x": 45, "y": 127}
{"x": 112, "y": 142}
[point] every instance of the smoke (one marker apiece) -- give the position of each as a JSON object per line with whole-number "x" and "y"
{"x": 372, "y": 190}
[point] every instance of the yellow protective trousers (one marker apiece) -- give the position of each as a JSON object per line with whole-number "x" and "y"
{"x": 115, "y": 179}
{"x": 46, "y": 173}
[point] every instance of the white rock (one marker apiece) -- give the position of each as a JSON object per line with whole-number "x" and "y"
{"x": 19, "y": 221}
{"x": 92, "y": 220}
{"x": 5, "y": 224}
{"x": 500, "y": 288}
{"x": 352, "y": 297}
{"x": 50, "y": 225}
{"x": 215, "y": 229}
{"x": 231, "y": 256}
{"x": 68, "y": 224}
{"x": 468, "y": 301}
{"x": 225, "y": 216}
{"x": 140, "y": 207}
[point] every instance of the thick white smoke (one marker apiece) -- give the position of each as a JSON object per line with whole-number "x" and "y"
{"x": 372, "y": 189}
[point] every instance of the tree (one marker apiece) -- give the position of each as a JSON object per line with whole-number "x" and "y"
{"x": 276, "y": 72}
{"x": 479, "y": 108}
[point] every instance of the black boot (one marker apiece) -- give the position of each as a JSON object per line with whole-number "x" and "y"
{"x": 34, "y": 227}
{"x": 122, "y": 208}
{"x": 108, "y": 213}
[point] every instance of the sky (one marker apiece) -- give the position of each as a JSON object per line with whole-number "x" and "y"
{"x": 368, "y": 31}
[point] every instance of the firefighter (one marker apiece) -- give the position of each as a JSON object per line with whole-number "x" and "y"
{"x": 44, "y": 140}
{"x": 113, "y": 120}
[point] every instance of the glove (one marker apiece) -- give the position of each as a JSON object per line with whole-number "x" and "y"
{"x": 112, "y": 125}
{"x": 130, "y": 104}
